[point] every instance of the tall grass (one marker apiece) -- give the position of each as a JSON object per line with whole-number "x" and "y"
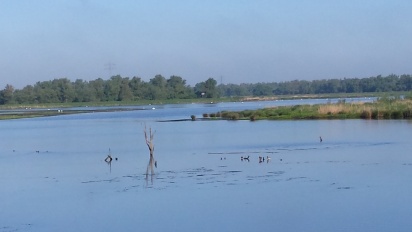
{"x": 382, "y": 109}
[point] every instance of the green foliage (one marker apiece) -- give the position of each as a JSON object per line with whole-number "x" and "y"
{"x": 6, "y": 95}
{"x": 397, "y": 109}
{"x": 354, "y": 85}
{"x": 116, "y": 88}
{"x": 230, "y": 115}
{"x": 207, "y": 89}
{"x": 124, "y": 89}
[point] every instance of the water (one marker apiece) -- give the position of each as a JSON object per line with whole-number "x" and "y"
{"x": 53, "y": 175}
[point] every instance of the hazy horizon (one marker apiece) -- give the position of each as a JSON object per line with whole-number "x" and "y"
{"x": 230, "y": 41}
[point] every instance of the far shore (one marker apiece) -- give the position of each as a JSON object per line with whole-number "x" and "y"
{"x": 197, "y": 100}
{"x": 33, "y": 113}
{"x": 16, "y": 111}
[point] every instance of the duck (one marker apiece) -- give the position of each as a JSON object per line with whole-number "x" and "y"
{"x": 108, "y": 159}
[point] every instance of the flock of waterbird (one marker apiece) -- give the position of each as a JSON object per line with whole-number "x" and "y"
{"x": 262, "y": 158}
{"x": 242, "y": 158}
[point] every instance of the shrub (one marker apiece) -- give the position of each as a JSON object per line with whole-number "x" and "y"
{"x": 205, "y": 115}
{"x": 231, "y": 115}
{"x": 235, "y": 116}
{"x": 387, "y": 115}
{"x": 366, "y": 114}
{"x": 247, "y": 113}
{"x": 397, "y": 115}
{"x": 407, "y": 114}
{"x": 252, "y": 118}
{"x": 193, "y": 117}
{"x": 376, "y": 114}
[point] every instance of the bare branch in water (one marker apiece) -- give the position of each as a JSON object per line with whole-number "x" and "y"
{"x": 149, "y": 140}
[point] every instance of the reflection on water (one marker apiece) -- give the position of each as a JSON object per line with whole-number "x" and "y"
{"x": 55, "y": 174}
{"x": 151, "y": 173}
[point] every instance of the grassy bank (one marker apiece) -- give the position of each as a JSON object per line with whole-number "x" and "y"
{"x": 382, "y": 109}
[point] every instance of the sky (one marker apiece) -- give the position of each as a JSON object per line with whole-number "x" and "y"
{"x": 232, "y": 41}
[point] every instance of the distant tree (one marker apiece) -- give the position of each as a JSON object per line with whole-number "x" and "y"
{"x": 112, "y": 88}
{"x": 97, "y": 87}
{"x": 6, "y": 95}
{"x": 368, "y": 84}
{"x": 125, "y": 89}
{"x": 45, "y": 93}
{"x": 177, "y": 88}
{"x": 233, "y": 90}
{"x": 207, "y": 89}
{"x": 405, "y": 83}
{"x": 25, "y": 95}
{"x": 158, "y": 87}
{"x": 262, "y": 90}
{"x": 352, "y": 85}
{"x": 83, "y": 91}
{"x": 125, "y": 93}
{"x": 64, "y": 89}
{"x": 137, "y": 87}
{"x": 211, "y": 90}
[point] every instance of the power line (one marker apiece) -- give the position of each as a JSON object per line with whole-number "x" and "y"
{"x": 110, "y": 67}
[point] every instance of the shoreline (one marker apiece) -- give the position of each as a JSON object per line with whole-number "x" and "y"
{"x": 36, "y": 113}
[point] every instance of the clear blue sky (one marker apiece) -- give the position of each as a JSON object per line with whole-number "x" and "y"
{"x": 240, "y": 41}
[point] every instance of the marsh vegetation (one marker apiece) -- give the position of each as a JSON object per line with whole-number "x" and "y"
{"x": 384, "y": 108}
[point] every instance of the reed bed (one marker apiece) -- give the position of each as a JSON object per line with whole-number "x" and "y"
{"x": 382, "y": 109}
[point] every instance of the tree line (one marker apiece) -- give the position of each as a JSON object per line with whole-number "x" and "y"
{"x": 347, "y": 85}
{"x": 116, "y": 88}
{"x": 119, "y": 88}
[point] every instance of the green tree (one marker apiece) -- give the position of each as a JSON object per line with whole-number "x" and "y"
{"x": 44, "y": 92}
{"x": 64, "y": 89}
{"x": 83, "y": 91}
{"x": 112, "y": 88}
{"x": 137, "y": 87}
{"x": 207, "y": 89}
{"x": 97, "y": 87}
{"x": 405, "y": 83}
{"x": 25, "y": 95}
{"x": 125, "y": 93}
{"x": 158, "y": 87}
{"x": 6, "y": 95}
{"x": 177, "y": 88}
{"x": 262, "y": 90}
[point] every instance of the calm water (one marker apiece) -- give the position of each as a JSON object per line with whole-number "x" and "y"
{"x": 53, "y": 175}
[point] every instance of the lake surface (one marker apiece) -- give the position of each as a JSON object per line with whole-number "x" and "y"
{"x": 53, "y": 175}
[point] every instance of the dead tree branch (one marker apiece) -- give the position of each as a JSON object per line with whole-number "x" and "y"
{"x": 149, "y": 140}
